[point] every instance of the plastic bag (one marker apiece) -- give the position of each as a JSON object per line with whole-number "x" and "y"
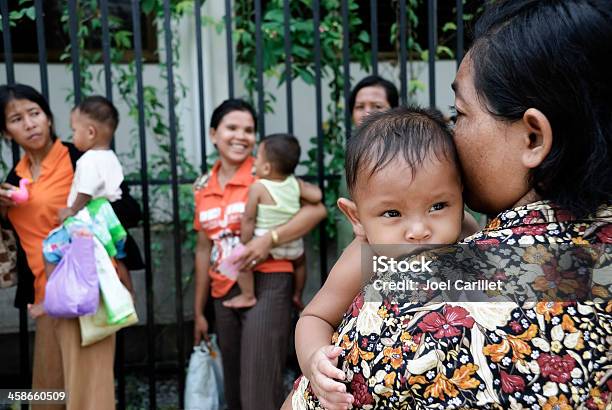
{"x": 204, "y": 384}
{"x": 117, "y": 299}
{"x": 228, "y": 265}
{"x": 72, "y": 289}
{"x": 95, "y": 328}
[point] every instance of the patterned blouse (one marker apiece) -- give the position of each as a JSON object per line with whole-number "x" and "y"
{"x": 541, "y": 355}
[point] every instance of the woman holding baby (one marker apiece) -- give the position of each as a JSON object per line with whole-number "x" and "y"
{"x": 533, "y": 139}
{"x": 253, "y": 341}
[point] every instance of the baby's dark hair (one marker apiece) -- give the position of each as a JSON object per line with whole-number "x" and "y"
{"x": 414, "y": 133}
{"x": 283, "y": 152}
{"x": 101, "y": 110}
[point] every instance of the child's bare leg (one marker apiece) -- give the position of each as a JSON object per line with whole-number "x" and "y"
{"x": 299, "y": 272}
{"x": 246, "y": 298}
{"x": 287, "y": 403}
{"x": 125, "y": 277}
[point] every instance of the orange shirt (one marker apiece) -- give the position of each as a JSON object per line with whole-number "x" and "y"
{"x": 34, "y": 219}
{"x": 218, "y": 212}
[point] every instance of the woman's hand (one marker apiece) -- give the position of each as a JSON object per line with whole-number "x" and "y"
{"x": 5, "y": 194}
{"x": 200, "y": 329}
{"x": 331, "y": 394}
{"x": 256, "y": 251}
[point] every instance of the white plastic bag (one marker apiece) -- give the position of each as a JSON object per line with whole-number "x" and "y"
{"x": 204, "y": 384}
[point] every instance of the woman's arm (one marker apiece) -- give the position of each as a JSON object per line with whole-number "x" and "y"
{"x": 202, "y": 286}
{"x": 303, "y": 222}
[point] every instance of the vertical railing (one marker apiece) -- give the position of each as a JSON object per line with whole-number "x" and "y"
{"x": 403, "y": 51}
{"x": 346, "y": 67}
{"x": 374, "y": 35}
{"x": 73, "y": 27}
{"x": 146, "y": 227}
{"x": 288, "y": 72}
{"x": 230, "y": 47}
{"x": 259, "y": 68}
{"x": 432, "y": 41}
{"x": 460, "y": 45}
{"x": 178, "y": 260}
{"x": 316, "y": 20}
{"x": 198, "y": 28}
{"x": 42, "y": 48}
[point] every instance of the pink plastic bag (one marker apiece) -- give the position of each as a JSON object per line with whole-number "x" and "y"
{"x": 228, "y": 266}
{"x": 72, "y": 289}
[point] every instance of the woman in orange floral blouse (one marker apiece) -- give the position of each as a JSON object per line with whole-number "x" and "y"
{"x": 534, "y": 138}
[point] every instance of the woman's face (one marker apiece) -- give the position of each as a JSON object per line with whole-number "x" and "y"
{"x": 27, "y": 124}
{"x": 369, "y": 100}
{"x": 489, "y": 150}
{"x": 235, "y": 136}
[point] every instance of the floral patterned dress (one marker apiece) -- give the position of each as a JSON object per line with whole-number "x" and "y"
{"x": 540, "y": 355}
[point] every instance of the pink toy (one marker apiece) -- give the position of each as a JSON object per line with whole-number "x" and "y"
{"x": 21, "y": 194}
{"x": 228, "y": 266}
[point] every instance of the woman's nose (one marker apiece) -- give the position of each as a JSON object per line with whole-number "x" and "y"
{"x": 28, "y": 122}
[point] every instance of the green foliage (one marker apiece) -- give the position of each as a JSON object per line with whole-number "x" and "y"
{"x": 302, "y": 59}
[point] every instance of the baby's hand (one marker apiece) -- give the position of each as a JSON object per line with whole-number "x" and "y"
{"x": 323, "y": 371}
{"x": 36, "y": 311}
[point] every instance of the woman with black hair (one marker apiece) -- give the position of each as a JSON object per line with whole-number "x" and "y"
{"x": 534, "y": 139}
{"x": 253, "y": 341}
{"x": 60, "y": 362}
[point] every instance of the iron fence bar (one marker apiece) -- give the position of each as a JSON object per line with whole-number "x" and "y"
{"x": 346, "y": 64}
{"x": 432, "y": 41}
{"x": 145, "y": 203}
{"x": 106, "y": 57}
{"x": 316, "y": 21}
{"x": 6, "y": 38}
{"x": 374, "y": 35}
{"x": 288, "y": 72}
{"x": 230, "y": 47}
{"x": 402, "y": 45}
{"x": 42, "y": 48}
{"x": 108, "y": 87}
{"x": 178, "y": 261}
{"x": 8, "y": 60}
{"x": 460, "y": 45}
{"x": 74, "y": 49}
{"x": 201, "y": 111}
{"x": 261, "y": 105}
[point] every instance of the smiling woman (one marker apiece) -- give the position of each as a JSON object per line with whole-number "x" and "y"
{"x": 253, "y": 341}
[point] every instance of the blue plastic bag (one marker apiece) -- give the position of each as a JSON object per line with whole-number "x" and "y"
{"x": 204, "y": 384}
{"x": 72, "y": 289}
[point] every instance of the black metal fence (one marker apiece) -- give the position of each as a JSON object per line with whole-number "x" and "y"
{"x": 144, "y": 183}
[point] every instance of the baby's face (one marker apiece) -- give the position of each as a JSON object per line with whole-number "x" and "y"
{"x": 395, "y": 207}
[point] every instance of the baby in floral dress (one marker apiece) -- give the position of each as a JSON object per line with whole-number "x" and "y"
{"x": 403, "y": 150}
{"x": 551, "y": 354}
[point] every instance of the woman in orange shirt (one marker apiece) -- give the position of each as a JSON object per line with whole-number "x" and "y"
{"x": 60, "y": 362}
{"x": 253, "y": 341}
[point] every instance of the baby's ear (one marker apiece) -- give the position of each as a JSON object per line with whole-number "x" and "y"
{"x": 349, "y": 209}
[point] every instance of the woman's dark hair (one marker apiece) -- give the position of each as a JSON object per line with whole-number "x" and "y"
{"x": 375, "y": 81}
{"x": 554, "y": 56}
{"x": 229, "y": 105}
{"x": 411, "y": 133}
{"x": 9, "y": 93}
